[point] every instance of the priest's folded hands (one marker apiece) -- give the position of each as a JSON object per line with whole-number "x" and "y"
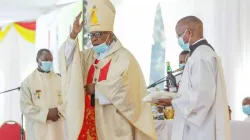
{"x": 53, "y": 114}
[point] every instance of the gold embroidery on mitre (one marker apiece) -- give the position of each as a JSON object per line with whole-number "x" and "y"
{"x": 94, "y": 18}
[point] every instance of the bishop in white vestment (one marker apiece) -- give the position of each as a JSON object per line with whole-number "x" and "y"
{"x": 112, "y": 74}
{"x": 41, "y": 101}
{"x": 201, "y": 113}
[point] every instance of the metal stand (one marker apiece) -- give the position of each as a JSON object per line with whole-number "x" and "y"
{"x": 22, "y": 130}
{"x": 160, "y": 81}
{"x": 18, "y": 88}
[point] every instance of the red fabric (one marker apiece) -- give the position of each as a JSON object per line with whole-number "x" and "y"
{"x": 28, "y": 25}
{"x": 9, "y": 131}
{"x": 88, "y": 131}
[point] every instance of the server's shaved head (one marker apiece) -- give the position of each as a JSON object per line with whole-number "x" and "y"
{"x": 191, "y": 22}
{"x": 246, "y": 101}
{"x": 191, "y": 28}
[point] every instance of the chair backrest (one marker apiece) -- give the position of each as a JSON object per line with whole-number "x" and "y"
{"x": 10, "y": 130}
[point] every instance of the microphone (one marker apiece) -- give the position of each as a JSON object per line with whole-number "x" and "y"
{"x": 92, "y": 100}
{"x": 171, "y": 83}
{"x": 170, "y": 79}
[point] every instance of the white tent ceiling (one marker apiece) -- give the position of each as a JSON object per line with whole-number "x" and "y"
{"x": 25, "y": 10}
{"x": 28, "y": 10}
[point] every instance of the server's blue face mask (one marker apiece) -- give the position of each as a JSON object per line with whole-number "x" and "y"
{"x": 102, "y": 47}
{"x": 182, "y": 65}
{"x": 184, "y": 46}
{"x": 46, "y": 66}
{"x": 246, "y": 109}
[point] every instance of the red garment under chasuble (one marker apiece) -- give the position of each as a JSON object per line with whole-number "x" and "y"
{"x": 88, "y": 131}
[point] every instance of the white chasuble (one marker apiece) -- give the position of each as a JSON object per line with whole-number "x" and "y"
{"x": 124, "y": 116}
{"x": 40, "y": 92}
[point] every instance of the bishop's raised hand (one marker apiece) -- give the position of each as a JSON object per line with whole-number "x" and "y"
{"x": 77, "y": 26}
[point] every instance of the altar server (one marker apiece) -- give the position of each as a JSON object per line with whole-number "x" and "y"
{"x": 201, "y": 113}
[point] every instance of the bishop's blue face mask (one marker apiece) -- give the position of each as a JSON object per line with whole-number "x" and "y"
{"x": 246, "y": 109}
{"x": 184, "y": 46}
{"x": 102, "y": 47}
{"x": 46, "y": 66}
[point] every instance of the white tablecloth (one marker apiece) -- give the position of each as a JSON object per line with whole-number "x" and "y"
{"x": 239, "y": 130}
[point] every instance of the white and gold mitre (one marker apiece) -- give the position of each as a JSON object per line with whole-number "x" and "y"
{"x": 100, "y": 15}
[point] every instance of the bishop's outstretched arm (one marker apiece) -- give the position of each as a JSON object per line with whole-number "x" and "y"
{"x": 69, "y": 50}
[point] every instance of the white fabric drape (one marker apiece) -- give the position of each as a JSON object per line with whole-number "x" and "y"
{"x": 134, "y": 27}
{"x": 18, "y": 57}
{"x": 226, "y": 27}
{"x": 17, "y": 60}
{"x": 16, "y": 10}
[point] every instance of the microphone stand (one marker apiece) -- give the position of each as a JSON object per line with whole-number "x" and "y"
{"x": 18, "y": 88}
{"x": 22, "y": 130}
{"x": 157, "y": 83}
{"x": 161, "y": 81}
{"x": 22, "y": 137}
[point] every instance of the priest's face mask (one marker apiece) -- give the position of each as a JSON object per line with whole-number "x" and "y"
{"x": 98, "y": 38}
{"x": 44, "y": 60}
{"x": 246, "y": 106}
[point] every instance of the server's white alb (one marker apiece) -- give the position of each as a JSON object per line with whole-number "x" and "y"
{"x": 202, "y": 110}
